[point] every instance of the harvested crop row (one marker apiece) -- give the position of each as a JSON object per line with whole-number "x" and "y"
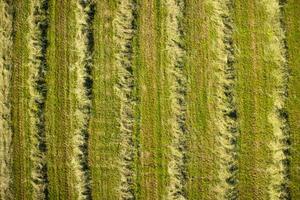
{"x": 225, "y": 114}
{"x": 38, "y": 23}
{"x": 124, "y": 35}
{"x": 278, "y": 117}
{"x": 6, "y": 20}
{"x": 175, "y": 55}
{"x": 83, "y": 66}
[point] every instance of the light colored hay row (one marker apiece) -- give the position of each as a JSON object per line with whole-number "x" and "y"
{"x": 83, "y": 65}
{"x": 225, "y": 116}
{"x": 124, "y": 34}
{"x": 175, "y": 55}
{"x": 6, "y": 29}
{"x": 37, "y": 88}
{"x": 276, "y": 53}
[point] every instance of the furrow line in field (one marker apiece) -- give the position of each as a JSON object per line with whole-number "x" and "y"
{"x": 226, "y": 113}
{"x": 84, "y": 48}
{"x": 124, "y": 34}
{"x": 177, "y": 168}
{"x": 278, "y": 117}
{"x": 6, "y": 29}
{"x": 38, "y": 24}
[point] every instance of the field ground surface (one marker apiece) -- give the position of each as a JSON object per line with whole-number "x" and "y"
{"x": 150, "y": 99}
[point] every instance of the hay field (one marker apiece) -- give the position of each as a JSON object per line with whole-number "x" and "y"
{"x": 150, "y": 99}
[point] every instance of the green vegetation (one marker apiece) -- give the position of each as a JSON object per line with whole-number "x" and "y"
{"x": 151, "y": 163}
{"x": 103, "y": 142}
{"x": 134, "y": 99}
{"x": 21, "y": 151}
{"x": 291, "y": 21}
{"x": 202, "y": 161}
{"x": 58, "y": 103}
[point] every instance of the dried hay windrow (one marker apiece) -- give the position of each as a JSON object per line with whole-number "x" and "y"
{"x": 276, "y": 52}
{"x": 37, "y": 44}
{"x": 175, "y": 66}
{"x": 225, "y": 116}
{"x": 83, "y": 65}
{"x": 124, "y": 35}
{"x": 6, "y": 29}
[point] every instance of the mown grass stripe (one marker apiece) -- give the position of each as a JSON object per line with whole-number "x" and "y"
{"x": 59, "y": 104}
{"x": 38, "y": 24}
{"x": 83, "y": 66}
{"x": 21, "y": 164}
{"x": 225, "y": 114}
{"x": 292, "y": 25}
{"x": 201, "y": 160}
{"x": 124, "y": 35}
{"x": 278, "y": 116}
{"x": 253, "y": 89}
{"x": 104, "y": 133}
{"x": 148, "y": 117}
{"x": 6, "y": 29}
{"x": 175, "y": 68}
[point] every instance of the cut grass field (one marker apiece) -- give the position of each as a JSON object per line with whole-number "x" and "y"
{"x": 103, "y": 143}
{"x": 19, "y": 104}
{"x": 134, "y": 99}
{"x": 58, "y": 103}
{"x": 201, "y": 138}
